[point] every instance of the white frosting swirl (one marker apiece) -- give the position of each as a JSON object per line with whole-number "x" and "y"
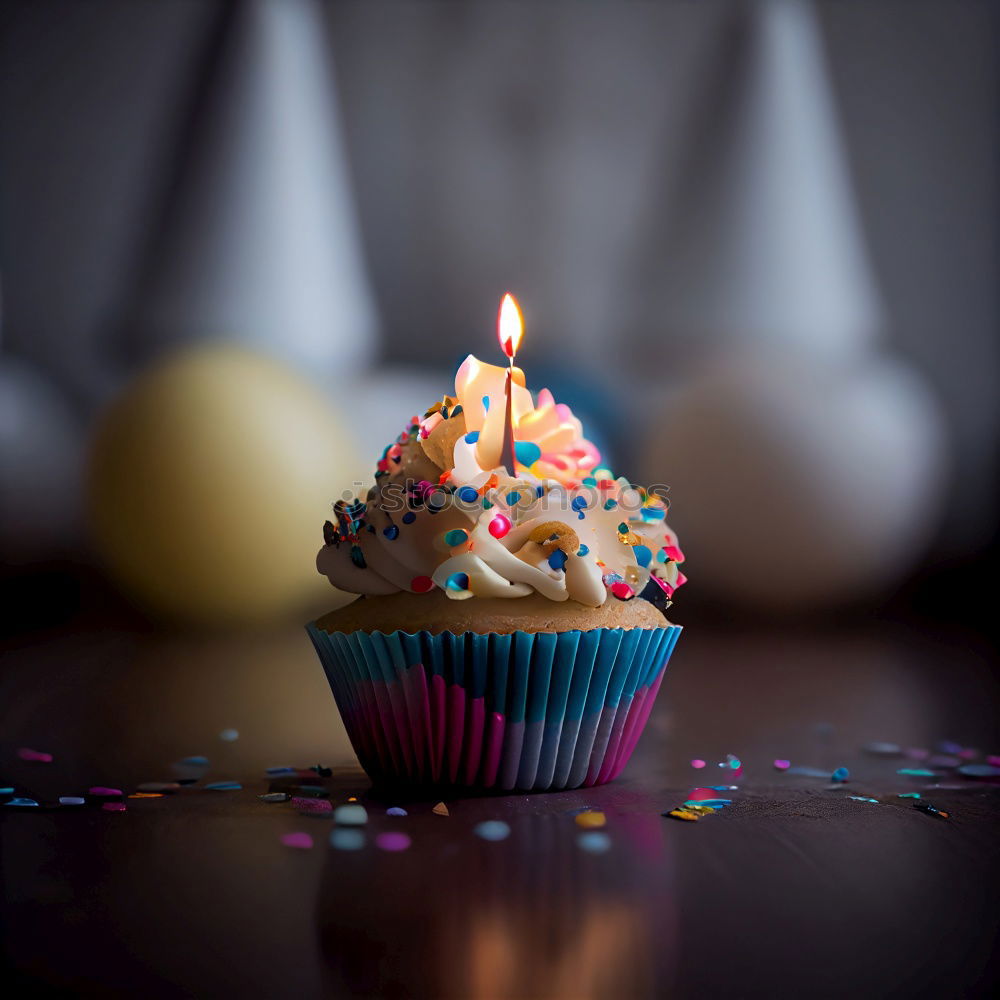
{"x": 478, "y": 532}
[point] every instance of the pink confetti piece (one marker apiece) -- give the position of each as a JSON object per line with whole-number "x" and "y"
{"x": 114, "y": 807}
{"x": 782, "y": 765}
{"x": 101, "y": 790}
{"x": 392, "y": 841}
{"x": 302, "y": 841}
{"x": 26, "y": 753}
{"x": 315, "y": 806}
{"x": 697, "y": 763}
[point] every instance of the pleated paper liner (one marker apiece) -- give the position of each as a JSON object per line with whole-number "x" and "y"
{"x": 529, "y": 711}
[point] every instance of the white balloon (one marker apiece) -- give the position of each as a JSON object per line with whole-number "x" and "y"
{"x": 797, "y": 485}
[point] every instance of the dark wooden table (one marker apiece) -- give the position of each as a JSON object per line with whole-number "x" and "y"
{"x": 794, "y": 890}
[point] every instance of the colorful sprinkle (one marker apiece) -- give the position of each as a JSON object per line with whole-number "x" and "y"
{"x": 500, "y": 525}
{"x": 342, "y": 839}
{"x": 643, "y": 555}
{"x": 840, "y": 775}
{"x": 582, "y": 550}
{"x": 688, "y": 815}
{"x": 697, "y": 763}
{"x": 350, "y": 815}
{"x": 594, "y": 842}
{"x": 300, "y": 841}
{"x": 457, "y": 582}
{"x": 421, "y": 584}
{"x": 409, "y": 517}
{"x": 20, "y": 802}
{"x": 862, "y": 798}
{"x": 557, "y": 559}
{"x": 591, "y": 819}
{"x": 782, "y": 765}
{"x": 472, "y": 437}
{"x": 440, "y": 810}
{"x": 312, "y": 807}
{"x": 278, "y": 772}
{"x": 468, "y": 494}
{"x": 915, "y": 772}
{"x": 38, "y": 756}
{"x": 456, "y": 537}
{"x": 492, "y": 829}
{"x": 274, "y": 797}
{"x": 392, "y": 841}
{"x": 926, "y": 807}
{"x": 224, "y": 786}
{"x": 622, "y": 591}
{"x": 102, "y": 791}
{"x": 513, "y": 498}
{"x": 486, "y": 403}
{"x": 396, "y": 811}
{"x": 392, "y": 532}
{"x": 71, "y": 800}
{"x": 708, "y": 803}
{"x": 908, "y": 795}
{"x": 527, "y": 452}
{"x": 579, "y": 503}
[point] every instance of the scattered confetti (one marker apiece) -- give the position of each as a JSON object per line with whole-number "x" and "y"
{"x": 21, "y": 802}
{"x": 594, "y": 841}
{"x": 493, "y": 829}
{"x": 146, "y": 795}
{"x": 915, "y": 772}
{"x": 312, "y": 807}
{"x": 229, "y": 735}
{"x": 440, "y": 810}
{"x": 782, "y": 765}
{"x": 591, "y": 819}
{"x": 840, "y": 775}
{"x": 862, "y": 798}
{"x": 114, "y": 807}
{"x": 880, "y": 749}
{"x": 224, "y": 786}
{"x": 732, "y": 761}
{"x": 979, "y": 771}
{"x": 908, "y": 795}
{"x": 346, "y": 839}
{"x": 685, "y": 814}
{"x": 708, "y": 803}
{"x": 274, "y": 797}
{"x": 926, "y": 807}
{"x": 396, "y": 811}
{"x": 38, "y": 756}
{"x": 350, "y": 815}
{"x": 299, "y": 840}
{"x": 697, "y": 763}
{"x": 105, "y": 792}
{"x": 71, "y": 800}
{"x": 392, "y": 841}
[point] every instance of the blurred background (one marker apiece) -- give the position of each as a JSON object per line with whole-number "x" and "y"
{"x": 242, "y": 243}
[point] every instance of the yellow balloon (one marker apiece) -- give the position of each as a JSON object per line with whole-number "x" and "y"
{"x": 209, "y": 480}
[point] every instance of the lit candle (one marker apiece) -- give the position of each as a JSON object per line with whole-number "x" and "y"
{"x": 510, "y": 330}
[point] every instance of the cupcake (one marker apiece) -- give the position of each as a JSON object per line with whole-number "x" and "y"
{"x": 511, "y": 628}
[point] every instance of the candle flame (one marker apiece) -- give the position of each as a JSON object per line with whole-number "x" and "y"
{"x": 510, "y": 326}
